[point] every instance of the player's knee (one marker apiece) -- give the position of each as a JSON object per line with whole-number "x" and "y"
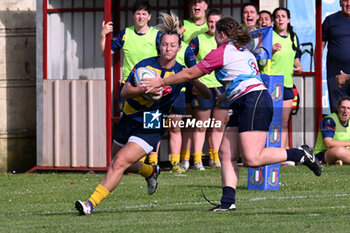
{"x": 340, "y": 150}
{"x": 202, "y": 129}
{"x": 251, "y": 163}
{"x": 174, "y": 130}
{"x": 285, "y": 125}
{"x": 227, "y": 157}
{"x": 119, "y": 164}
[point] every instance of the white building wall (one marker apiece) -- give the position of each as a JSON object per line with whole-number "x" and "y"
{"x": 269, "y": 5}
{"x": 17, "y": 84}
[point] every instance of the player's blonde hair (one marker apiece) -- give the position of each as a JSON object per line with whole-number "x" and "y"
{"x": 169, "y": 24}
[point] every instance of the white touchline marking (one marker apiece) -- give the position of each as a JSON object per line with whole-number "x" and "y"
{"x": 298, "y": 197}
{"x": 156, "y": 204}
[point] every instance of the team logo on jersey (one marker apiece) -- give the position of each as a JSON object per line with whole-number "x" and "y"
{"x": 277, "y": 92}
{"x": 257, "y": 177}
{"x": 273, "y": 179}
{"x": 275, "y": 136}
{"x": 253, "y": 66}
{"x": 166, "y": 90}
{"x": 152, "y": 120}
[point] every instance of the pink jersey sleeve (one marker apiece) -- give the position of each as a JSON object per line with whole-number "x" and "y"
{"x": 213, "y": 60}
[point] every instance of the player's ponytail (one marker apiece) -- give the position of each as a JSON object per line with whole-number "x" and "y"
{"x": 169, "y": 24}
{"x": 292, "y": 35}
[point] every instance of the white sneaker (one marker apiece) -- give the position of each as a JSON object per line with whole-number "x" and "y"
{"x": 199, "y": 166}
{"x": 185, "y": 164}
{"x": 213, "y": 164}
{"x": 84, "y": 207}
{"x": 220, "y": 208}
{"x": 152, "y": 180}
{"x": 217, "y": 165}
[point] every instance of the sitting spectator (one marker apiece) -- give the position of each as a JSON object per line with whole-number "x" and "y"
{"x": 333, "y": 140}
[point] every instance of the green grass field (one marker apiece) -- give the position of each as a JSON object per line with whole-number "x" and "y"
{"x": 304, "y": 203}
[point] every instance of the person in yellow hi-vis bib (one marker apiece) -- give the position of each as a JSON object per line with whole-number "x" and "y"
{"x": 265, "y": 19}
{"x": 180, "y": 137}
{"x": 197, "y": 24}
{"x": 286, "y": 56}
{"x": 137, "y": 42}
{"x": 205, "y": 109}
{"x": 250, "y": 16}
{"x": 333, "y": 139}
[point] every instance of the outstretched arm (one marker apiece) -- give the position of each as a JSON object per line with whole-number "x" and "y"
{"x": 183, "y": 76}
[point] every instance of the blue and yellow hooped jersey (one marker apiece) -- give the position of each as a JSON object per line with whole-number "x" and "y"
{"x": 136, "y": 106}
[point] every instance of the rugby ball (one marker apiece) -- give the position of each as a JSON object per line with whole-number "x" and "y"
{"x": 144, "y": 72}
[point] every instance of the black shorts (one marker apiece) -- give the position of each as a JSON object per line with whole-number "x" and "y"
{"x": 252, "y": 112}
{"x": 288, "y": 93}
{"x": 130, "y": 130}
{"x": 179, "y": 106}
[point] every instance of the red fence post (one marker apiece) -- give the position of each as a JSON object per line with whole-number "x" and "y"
{"x": 107, "y": 57}
{"x": 318, "y": 64}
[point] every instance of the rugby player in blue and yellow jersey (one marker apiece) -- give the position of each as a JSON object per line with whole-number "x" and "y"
{"x": 133, "y": 140}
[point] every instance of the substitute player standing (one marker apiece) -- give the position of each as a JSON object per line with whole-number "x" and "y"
{"x": 203, "y": 108}
{"x": 137, "y": 42}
